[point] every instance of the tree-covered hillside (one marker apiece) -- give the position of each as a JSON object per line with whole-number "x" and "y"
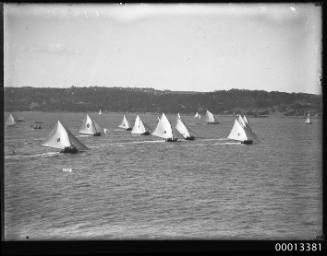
{"x": 83, "y": 99}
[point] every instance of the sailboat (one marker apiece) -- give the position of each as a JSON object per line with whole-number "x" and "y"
{"x": 197, "y": 115}
{"x": 139, "y": 127}
{"x": 60, "y": 137}
{"x": 164, "y": 130}
{"x": 210, "y": 118}
{"x": 245, "y": 119}
{"x": 241, "y": 131}
{"x": 125, "y": 124}
{"x": 100, "y": 112}
{"x": 90, "y": 127}
{"x": 182, "y": 129}
{"x": 308, "y": 120}
{"x": 10, "y": 120}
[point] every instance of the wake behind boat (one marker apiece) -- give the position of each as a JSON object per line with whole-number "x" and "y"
{"x": 60, "y": 137}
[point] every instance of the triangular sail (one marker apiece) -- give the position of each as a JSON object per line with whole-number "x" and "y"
{"x": 197, "y": 115}
{"x": 124, "y": 124}
{"x": 241, "y": 120}
{"x": 242, "y": 132}
{"x": 139, "y": 127}
{"x": 308, "y": 120}
{"x": 100, "y": 112}
{"x": 89, "y": 126}
{"x": 61, "y": 138}
{"x": 181, "y": 128}
{"x": 245, "y": 119}
{"x": 210, "y": 118}
{"x": 97, "y": 127}
{"x": 10, "y": 120}
{"x": 163, "y": 128}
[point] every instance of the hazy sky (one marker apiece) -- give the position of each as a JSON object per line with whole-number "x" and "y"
{"x": 185, "y": 47}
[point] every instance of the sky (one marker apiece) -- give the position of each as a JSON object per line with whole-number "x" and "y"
{"x": 179, "y": 47}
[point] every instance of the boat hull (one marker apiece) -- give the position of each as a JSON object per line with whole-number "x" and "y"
{"x": 190, "y": 138}
{"x": 97, "y": 134}
{"x": 213, "y": 122}
{"x": 171, "y": 140}
{"x": 71, "y": 150}
{"x": 247, "y": 142}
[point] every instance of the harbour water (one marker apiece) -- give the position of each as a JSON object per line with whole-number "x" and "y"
{"x": 138, "y": 187}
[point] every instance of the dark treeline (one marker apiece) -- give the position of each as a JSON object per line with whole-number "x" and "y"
{"x": 116, "y": 99}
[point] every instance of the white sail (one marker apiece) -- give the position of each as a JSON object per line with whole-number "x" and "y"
{"x": 10, "y": 120}
{"x": 210, "y": 118}
{"x": 242, "y": 133}
{"x": 89, "y": 126}
{"x": 241, "y": 120}
{"x": 100, "y": 112}
{"x": 197, "y": 115}
{"x": 60, "y": 137}
{"x": 97, "y": 127}
{"x": 139, "y": 127}
{"x": 245, "y": 119}
{"x": 308, "y": 120}
{"x": 181, "y": 128}
{"x": 124, "y": 124}
{"x": 163, "y": 128}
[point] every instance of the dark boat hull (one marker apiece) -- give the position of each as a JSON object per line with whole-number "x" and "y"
{"x": 71, "y": 150}
{"x": 213, "y": 122}
{"x": 171, "y": 140}
{"x": 247, "y": 142}
{"x": 190, "y": 138}
{"x": 97, "y": 134}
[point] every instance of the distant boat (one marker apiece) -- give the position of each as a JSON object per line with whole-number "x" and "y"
{"x": 308, "y": 120}
{"x": 210, "y": 118}
{"x": 197, "y": 115}
{"x": 164, "y": 130}
{"x": 60, "y": 137}
{"x": 182, "y": 129}
{"x": 139, "y": 127}
{"x": 241, "y": 131}
{"x": 90, "y": 127}
{"x": 100, "y": 112}
{"x": 10, "y": 120}
{"x": 125, "y": 124}
{"x": 36, "y": 125}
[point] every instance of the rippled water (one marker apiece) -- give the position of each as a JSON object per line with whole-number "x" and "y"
{"x": 128, "y": 187}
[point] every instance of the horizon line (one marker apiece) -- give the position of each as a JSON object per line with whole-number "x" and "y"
{"x": 154, "y": 89}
